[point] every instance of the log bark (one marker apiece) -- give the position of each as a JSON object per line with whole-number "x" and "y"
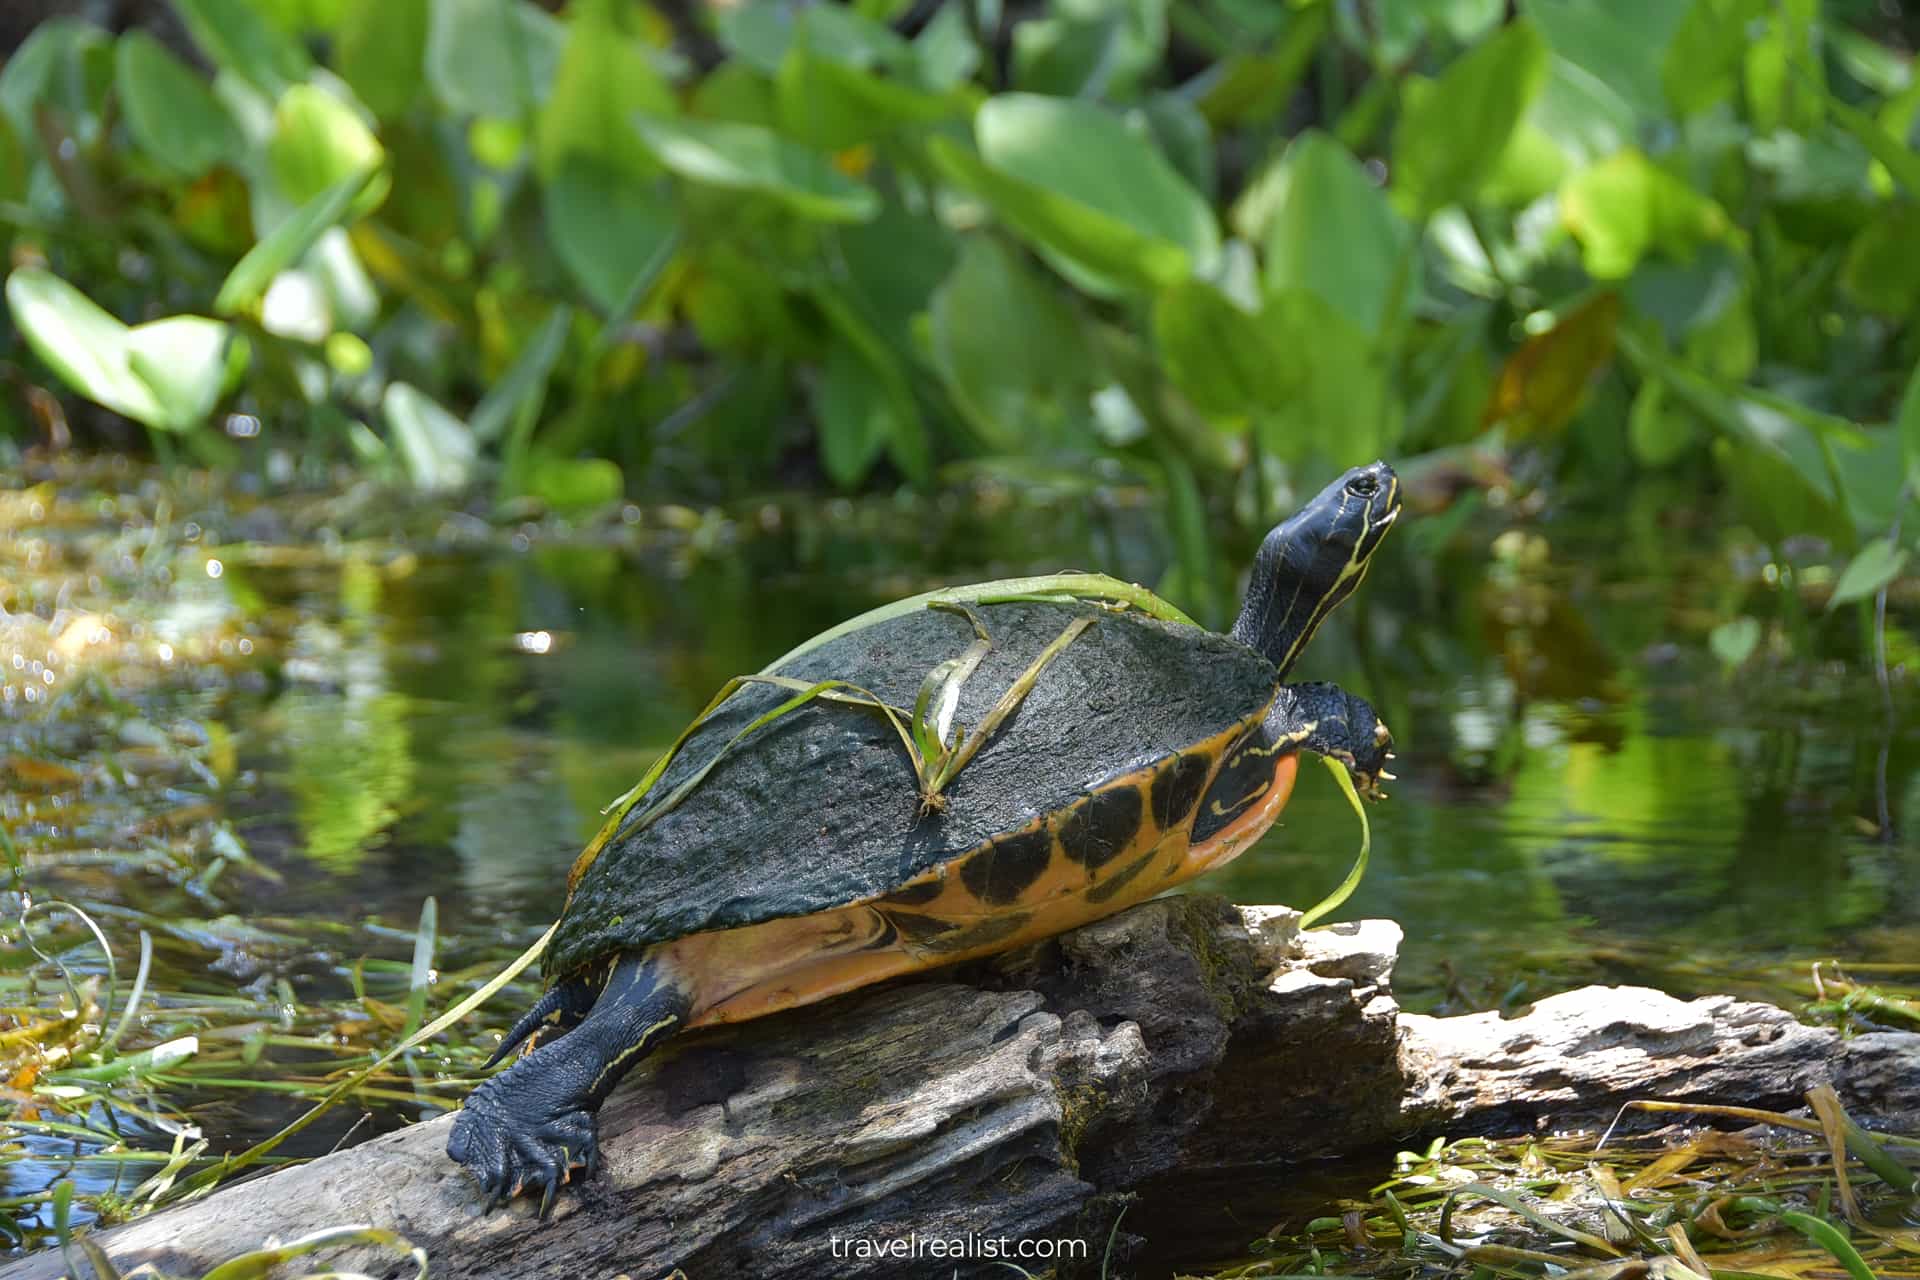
{"x": 1024, "y": 1099}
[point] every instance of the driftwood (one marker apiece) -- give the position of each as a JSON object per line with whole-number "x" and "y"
{"x": 1024, "y": 1099}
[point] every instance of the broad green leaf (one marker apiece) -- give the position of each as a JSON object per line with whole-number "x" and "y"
{"x": 1099, "y": 253}
{"x": 171, "y": 112}
{"x": 1010, "y": 352}
{"x": 611, "y": 228}
{"x": 236, "y": 37}
{"x": 1873, "y": 567}
{"x": 1546, "y": 381}
{"x": 1450, "y": 137}
{"x": 286, "y": 244}
{"x": 1338, "y": 403}
{"x": 826, "y": 103}
{"x": 944, "y": 53}
{"x": 184, "y": 360}
{"x": 382, "y": 52}
{"x": 1084, "y": 154}
{"x": 1701, "y": 68}
{"x": 1621, "y": 43}
{"x": 575, "y": 484}
{"x": 747, "y": 158}
{"x": 1583, "y": 114}
{"x": 1251, "y": 88}
{"x": 1465, "y": 20}
{"x": 318, "y": 143}
{"x": 1777, "y": 493}
{"x": 1223, "y": 359}
{"x": 1659, "y": 430}
{"x": 855, "y": 416}
{"x": 1184, "y": 136}
{"x": 1090, "y": 49}
{"x": 80, "y": 342}
{"x": 605, "y": 79}
{"x": 1626, "y": 207}
{"x": 435, "y": 446}
{"x": 907, "y": 441}
{"x": 1330, "y": 230}
{"x": 65, "y": 63}
{"x": 1897, "y": 158}
{"x": 1881, "y": 271}
{"x": 166, "y": 374}
{"x": 1785, "y": 69}
{"x": 491, "y": 58}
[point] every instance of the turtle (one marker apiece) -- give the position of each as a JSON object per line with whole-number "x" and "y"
{"x": 797, "y": 851}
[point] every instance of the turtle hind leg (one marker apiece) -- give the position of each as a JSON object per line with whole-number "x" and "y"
{"x": 1338, "y": 724}
{"x": 533, "y": 1124}
{"x": 563, "y": 1005}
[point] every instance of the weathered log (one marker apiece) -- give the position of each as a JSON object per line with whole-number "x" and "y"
{"x": 1023, "y": 1099}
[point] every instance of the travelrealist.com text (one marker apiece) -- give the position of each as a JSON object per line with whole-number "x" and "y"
{"x": 960, "y": 1248}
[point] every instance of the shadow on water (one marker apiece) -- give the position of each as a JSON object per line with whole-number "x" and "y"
{"x": 1585, "y": 794}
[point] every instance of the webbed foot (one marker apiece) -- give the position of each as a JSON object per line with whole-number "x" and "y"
{"x": 514, "y": 1136}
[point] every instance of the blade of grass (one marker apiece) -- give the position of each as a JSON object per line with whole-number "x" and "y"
{"x": 1833, "y": 1240}
{"x": 1333, "y": 901}
{"x": 1010, "y": 700}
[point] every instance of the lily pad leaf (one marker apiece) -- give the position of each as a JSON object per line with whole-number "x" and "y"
{"x": 1878, "y": 563}
{"x": 171, "y": 112}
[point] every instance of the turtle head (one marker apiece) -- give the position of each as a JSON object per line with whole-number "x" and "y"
{"x": 1313, "y": 561}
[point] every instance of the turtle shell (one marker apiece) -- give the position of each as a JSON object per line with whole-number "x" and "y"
{"x": 820, "y": 808}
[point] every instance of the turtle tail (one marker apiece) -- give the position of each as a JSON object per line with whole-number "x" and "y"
{"x": 563, "y": 1005}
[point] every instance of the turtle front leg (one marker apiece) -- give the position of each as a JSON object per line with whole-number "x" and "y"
{"x": 1327, "y": 719}
{"x": 533, "y": 1124}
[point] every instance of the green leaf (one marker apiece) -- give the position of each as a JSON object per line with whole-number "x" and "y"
{"x": 745, "y": 157}
{"x": 1338, "y": 402}
{"x": 907, "y": 441}
{"x": 1626, "y": 207}
{"x": 171, "y": 112}
{"x": 62, "y": 63}
{"x": 944, "y": 52}
{"x": 1100, "y": 254}
{"x": 1734, "y": 642}
{"x": 611, "y": 229}
{"x": 1620, "y": 43}
{"x": 184, "y": 360}
{"x": 436, "y": 447}
{"x": 1450, "y": 137}
{"x": 1907, "y": 423}
{"x": 520, "y": 391}
{"x": 1078, "y": 151}
{"x": 491, "y": 58}
{"x": 1876, "y": 564}
{"x": 1010, "y": 352}
{"x": 855, "y": 416}
{"x": 1331, "y": 231}
{"x": 319, "y": 142}
{"x": 572, "y": 485}
{"x": 237, "y": 38}
{"x": 826, "y": 103}
{"x": 1659, "y": 432}
{"x": 1701, "y": 69}
{"x": 605, "y": 79}
{"x": 1898, "y": 159}
{"x": 1881, "y": 271}
{"x": 286, "y": 244}
{"x": 381, "y": 52}
{"x": 1220, "y": 357}
{"x": 166, "y": 374}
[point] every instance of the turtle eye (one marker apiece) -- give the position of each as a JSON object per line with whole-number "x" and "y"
{"x": 1363, "y": 485}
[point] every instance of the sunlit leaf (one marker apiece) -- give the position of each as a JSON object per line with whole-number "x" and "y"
{"x": 1734, "y": 642}
{"x": 1620, "y": 43}
{"x": 1083, "y": 153}
{"x": 1701, "y": 68}
{"x": 184, "y": 360}
{"x": 1544, "y": 383}
{"x": 79, "y": 341}
{"x": 1330, "y": 230}
{"x": 382, "y": 52}
{"x": 1101, "y": 254}
{"x": 1451, "y": 134}
{"x": 436, "y": 447}
{"x": 1873, "y": 567}
{"x": 1626, "y": 207}
{"x": 604, "y": 80}
{"x": 171, "y": 112}
{"x": 319, "y": 142}
{"x": 747, "y": 158}
{"x": 574, "y": 484}
{"x": 1897, "y": 158}
{"x": 286, "y": 244}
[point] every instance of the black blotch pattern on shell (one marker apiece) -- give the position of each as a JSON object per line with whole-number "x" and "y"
{"x": 918, "y": 928}
{"x": 986, "y": 933}
{"x": 1100, "y": 828}
{"x": 1007, "y": 867}
{"x": 915, "y": 895}
{"x": 1177, "y": 790}
{"x": 1244, "y": 778}
{"x": 1120, "y": 879}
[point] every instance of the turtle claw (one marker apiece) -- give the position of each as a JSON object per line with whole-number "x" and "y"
{"x": 511, "y": 1147}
